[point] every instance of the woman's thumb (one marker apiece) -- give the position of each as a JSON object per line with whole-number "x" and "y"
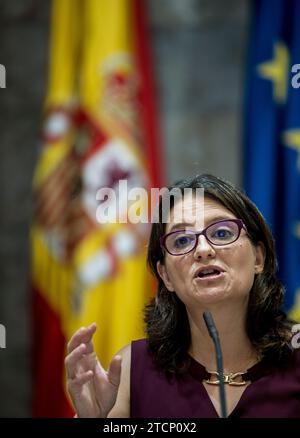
{"x": 114, "y": 371}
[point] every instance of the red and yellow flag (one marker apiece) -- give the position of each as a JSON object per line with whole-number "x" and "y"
{"x": 99, "y": 129}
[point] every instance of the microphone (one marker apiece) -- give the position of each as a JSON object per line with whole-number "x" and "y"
{"x": 212, "y": 330}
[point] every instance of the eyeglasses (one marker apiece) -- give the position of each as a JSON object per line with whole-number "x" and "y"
{"x": 219, "y": 233}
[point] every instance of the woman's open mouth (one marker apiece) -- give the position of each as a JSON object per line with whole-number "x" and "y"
{"x": 209, "y": 274}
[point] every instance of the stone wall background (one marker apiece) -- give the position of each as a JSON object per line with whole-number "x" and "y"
{"x": 199, "y": 49}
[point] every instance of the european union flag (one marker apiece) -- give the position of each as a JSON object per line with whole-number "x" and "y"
{"x": 272, "y": 133}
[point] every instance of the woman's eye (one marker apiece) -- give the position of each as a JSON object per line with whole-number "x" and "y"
{"x": 222, "y": 233}
{"x": 182, "y": 241}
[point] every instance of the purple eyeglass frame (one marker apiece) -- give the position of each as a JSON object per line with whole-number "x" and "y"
{"x": 239, "y": 222}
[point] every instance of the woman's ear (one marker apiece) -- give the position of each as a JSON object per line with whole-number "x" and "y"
{"x": 161, "y": 269}
{"x": 260, "y": 256}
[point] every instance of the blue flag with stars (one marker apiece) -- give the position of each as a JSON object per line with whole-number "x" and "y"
{"x": 272, "y": 133}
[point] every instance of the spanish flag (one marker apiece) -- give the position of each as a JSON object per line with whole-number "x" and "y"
{"x": 99, "y": 128}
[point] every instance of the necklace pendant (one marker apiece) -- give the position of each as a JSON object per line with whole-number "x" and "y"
{"x": 233, "y": 379}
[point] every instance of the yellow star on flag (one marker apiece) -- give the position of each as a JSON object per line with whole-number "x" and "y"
{"x": 291, "y": 138}
{"x": 277, "y": 70}
{"x": 297, "y": 229}
{"x": 295, "y": 312}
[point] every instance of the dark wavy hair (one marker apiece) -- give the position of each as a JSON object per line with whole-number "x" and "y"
{"x": 267, "y": 326}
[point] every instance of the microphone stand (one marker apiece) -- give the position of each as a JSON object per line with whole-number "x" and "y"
{"x": 212, "y": 330}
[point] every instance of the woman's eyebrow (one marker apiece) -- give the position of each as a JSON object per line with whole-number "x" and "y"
{"x": 219, "y": 218}
{"x": 182, "y": 225}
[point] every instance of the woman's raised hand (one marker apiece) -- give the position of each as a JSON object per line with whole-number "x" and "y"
{"x": 92, "y": 389}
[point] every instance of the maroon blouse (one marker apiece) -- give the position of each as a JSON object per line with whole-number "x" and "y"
{"x": 273, "y": 393}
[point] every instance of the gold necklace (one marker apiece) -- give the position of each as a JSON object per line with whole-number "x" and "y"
{"x": 233, "y": 379}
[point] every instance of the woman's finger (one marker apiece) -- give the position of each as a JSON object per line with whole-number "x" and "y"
{"x": 83, "y": 335}
{"x": 114, "y": 371}
{"x": 80, "y": 380}
{"x": 71, "y": 361}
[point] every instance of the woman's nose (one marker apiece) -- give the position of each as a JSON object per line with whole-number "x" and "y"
{"x": 204, "y": 248}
